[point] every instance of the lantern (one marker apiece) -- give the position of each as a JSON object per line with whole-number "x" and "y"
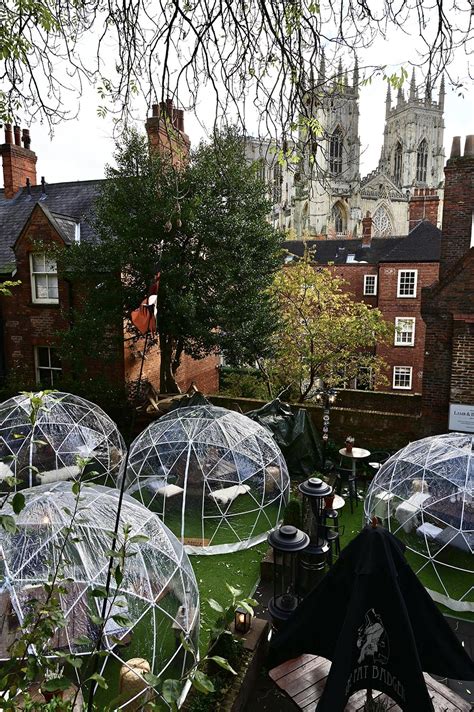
{"x": 242, "y": 621}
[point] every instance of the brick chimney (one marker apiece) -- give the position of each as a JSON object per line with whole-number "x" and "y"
{"x": 165, "y": 129}
{"x": 367, "y": 230}
{"x": 423, "y": 205}
{"x": 458, "y": 207}
{"x": 19, "y": 162}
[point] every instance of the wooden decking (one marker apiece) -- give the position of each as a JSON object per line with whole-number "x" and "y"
{"x": 303, "y": 680}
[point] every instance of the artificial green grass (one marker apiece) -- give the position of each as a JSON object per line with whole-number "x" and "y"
{"x": 240, "y": 569}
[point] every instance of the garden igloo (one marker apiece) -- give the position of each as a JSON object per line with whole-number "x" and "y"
{"x": 424, "y": 494}
{"x": 215, "y": 477}
{"x": 151, "y": 611}
{"x": 42, "y": 434}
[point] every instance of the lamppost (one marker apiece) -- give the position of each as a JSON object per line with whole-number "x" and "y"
{"x": 326, "y": 397}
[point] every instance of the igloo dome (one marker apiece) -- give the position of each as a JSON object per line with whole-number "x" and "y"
{"x": 156, "y": 601}
{"x": 425, "y": 495}
{"x": 215, "y": 477}
{"x": 42, "y": 434}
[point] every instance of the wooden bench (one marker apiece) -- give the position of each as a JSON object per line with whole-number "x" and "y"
{"x": 303, "y": 680}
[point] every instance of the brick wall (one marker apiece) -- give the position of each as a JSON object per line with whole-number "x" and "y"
{"x": 392, "y": 307}
{"x": 423, "y": 205}
{"x": 354, "y": 276}
{"x": 462, "y": 366}
{"x": 458, "y": 204}
{"x": 26, "y": 324}
{"x": 203, "y": 372}
{"x": 372, "y": 428}
{"x": 19, "y": 162}
{"x": 448, "y": 306}
{"x": 165, "y": 129}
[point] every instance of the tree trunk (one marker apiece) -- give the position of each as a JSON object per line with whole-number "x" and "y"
{"x": 167, "y": 381}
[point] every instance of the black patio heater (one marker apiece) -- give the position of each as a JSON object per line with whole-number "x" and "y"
{"x": 313, "y": 561}
{"x": 287, "y": 542}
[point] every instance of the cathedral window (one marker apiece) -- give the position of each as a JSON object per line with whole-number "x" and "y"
{"x": 382, "y": 223}
{"x": 339, "y": 219}
{"x": 335, "y": 152}
{"x": 277, "y": 182}
{"x": 397, "y": 167}
{"x": 421, "y": 161}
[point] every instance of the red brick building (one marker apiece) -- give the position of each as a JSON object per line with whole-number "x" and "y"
{"x": 448, "y": 305}
{"x": 60, "y": 213}
{"x": 389, "y": 273}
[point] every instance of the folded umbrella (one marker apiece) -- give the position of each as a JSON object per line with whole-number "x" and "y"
{"x": 373, "y": 619}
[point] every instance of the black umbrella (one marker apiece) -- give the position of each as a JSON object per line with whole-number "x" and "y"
{"x": 374, "y": 620}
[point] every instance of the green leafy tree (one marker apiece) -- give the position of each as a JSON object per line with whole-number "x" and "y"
{"x": 324, "y": 333}
{"x": 204, "y": 227}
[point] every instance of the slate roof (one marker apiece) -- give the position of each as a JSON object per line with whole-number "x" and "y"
{"x": 422, "y": 244}
{"x": 66, "y": 203}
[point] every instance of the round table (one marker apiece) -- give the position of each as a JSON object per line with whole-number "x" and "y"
{"x": 358, "y": 453}
{"x": 338, "y": 502}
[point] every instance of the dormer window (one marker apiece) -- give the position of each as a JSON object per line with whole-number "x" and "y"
{"x": 422, "y": 162}
{"x": 44, "y": 279}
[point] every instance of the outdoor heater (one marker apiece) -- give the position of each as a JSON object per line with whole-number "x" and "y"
{"x": 313, "y": 561}
{"x": 287, "y": 542}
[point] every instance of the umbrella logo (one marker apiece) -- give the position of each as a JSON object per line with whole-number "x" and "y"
{"x": 372, "y": 639}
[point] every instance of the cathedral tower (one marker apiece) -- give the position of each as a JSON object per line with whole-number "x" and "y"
{"x": 412, "y": 153}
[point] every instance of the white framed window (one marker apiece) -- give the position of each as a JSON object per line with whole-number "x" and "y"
{"x": 48, "y": 366}
{"x": 370, "y": 285}
{"x": 402, "y": 376}
{"x": 44, "y": 279}
{"x": 407, "y": 281}
{"x": 405, "y": 330}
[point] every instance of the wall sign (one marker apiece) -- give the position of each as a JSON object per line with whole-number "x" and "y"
{"x": 461, "y": 418}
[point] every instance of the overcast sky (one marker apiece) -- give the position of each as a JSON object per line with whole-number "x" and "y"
{"x": 81, "y": 148}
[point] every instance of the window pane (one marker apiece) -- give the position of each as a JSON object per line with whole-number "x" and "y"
{"x": 52, "y": 287}
{"x": 50, "y": 265}
{"x": 45, "y": 376}
{"x": 41, "y": 286}
{"x": 43, "y": 355}
{"x": 38, "y": 262}
{"x": 55, "y": 360}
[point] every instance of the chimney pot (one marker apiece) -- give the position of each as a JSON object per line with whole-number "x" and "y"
{"x": 26, "y": 138}
{"x": 469, "y": 145}
{"x": 8, "y": 133}
{"x": 43, "y": 186}
{"x": 456, "y": 147}
{"x": 17, "y": 134}
{"x": 169, "y": 109}
{"x": 181, "y": 120}
{"x": 155, "y": 110}
{"x": 28, "y": 186}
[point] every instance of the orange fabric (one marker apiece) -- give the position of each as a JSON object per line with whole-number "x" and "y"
{"x": 143, "y": 318}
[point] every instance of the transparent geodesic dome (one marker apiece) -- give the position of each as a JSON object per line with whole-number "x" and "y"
{"x": 42, "y": 435}
{"x": 215, "y": 477}
{"x": 146, "y": 614}
{"x": 425, "y": 495}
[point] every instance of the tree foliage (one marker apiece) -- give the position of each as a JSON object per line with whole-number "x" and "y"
{"x": 324, "y": 333}
{"x": 232, "y": 53}
{"x": 203, "y": 226}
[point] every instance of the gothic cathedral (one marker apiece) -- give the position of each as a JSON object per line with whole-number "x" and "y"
{"x": 326, "y": 197}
